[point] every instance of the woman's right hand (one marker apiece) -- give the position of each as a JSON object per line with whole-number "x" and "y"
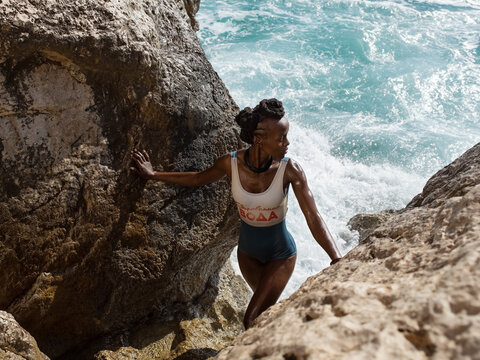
{"x": 143, "y": 167}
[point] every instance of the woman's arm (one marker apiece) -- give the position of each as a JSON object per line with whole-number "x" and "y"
{"x": 144, "y": 169}
{"x": 307, "y": 204}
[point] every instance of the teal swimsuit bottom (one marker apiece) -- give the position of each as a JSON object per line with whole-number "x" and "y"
{"x": 266, "y": 243}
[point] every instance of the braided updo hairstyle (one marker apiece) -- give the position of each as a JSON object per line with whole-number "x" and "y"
{"x": 248, "y": 119}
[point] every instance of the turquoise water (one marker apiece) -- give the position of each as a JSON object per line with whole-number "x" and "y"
{"x": 379, "y": 94}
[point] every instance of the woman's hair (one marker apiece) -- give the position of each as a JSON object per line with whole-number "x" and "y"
{"x": 248, "y": 119}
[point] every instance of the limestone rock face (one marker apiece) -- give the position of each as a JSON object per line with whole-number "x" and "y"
{"x": 410, "y": 291}
{"x": 15, "y": 342}
{"x": 86, "y": 248}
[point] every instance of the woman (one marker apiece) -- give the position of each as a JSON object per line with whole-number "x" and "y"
{"x": 261, "y": 176}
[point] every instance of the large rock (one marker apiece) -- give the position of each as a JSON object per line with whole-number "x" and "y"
{"x": 86, "y": 248}
{"x": 410, "y": 291}
{"x": 15, "y": 342}
{"x": 196, "y": 330}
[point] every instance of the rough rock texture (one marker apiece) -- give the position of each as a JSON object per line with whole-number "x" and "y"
{"x": 196, "y": 330}
{"x": 410, "y": 291}
{"x": 366, "y": 223}
{"x": 15, "y": 342}
{"x": 192, "y": 7}
{"x": 87, "y": 249}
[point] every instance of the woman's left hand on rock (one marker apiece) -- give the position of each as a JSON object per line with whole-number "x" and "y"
{"x": 143, "y": 167}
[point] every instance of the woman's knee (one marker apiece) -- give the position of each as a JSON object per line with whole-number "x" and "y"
{"x": 254, "y": 309}
{"x": 264, "y": 297}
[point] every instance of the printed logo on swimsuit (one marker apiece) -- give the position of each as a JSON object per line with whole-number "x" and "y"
{"x": 258, "y": 213}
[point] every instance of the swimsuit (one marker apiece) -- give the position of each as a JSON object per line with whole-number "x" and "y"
{"x": 263, "y": 233}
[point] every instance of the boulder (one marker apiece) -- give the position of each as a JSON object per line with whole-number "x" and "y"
{"x": 86, "y": 248}
{"x": 409, "y": 291}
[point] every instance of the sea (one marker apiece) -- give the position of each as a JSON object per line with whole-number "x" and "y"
{"x": 379, "y": 94}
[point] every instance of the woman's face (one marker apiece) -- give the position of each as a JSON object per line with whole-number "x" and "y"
{"x": 275, "y": 141}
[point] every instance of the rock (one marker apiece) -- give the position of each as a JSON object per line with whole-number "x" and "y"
{"x": 15, "y": 342}
{"x": 86, "y": 248}
{"x": 411, "y": 291}
{"x": 454, "y": 180}
{"x": 197, "y": 330}
{"x": 366, "y": 223}
{"x": 192, "y": 7}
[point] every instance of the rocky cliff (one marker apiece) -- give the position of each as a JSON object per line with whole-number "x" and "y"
{"x": 87, "y": 249}
{"x": 410, "y": 290}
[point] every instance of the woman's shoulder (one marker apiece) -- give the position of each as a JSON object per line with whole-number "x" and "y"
{"x": 294, "y": 170}
{"x": 292, "y": 163}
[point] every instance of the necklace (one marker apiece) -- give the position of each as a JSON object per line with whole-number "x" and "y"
{"x": 247, "y": 163}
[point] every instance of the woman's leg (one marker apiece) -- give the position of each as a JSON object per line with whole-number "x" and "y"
{"x": 272, "y": 279}
{"x": 251, "y": 269}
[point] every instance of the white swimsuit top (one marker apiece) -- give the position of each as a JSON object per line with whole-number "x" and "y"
{"x": 260, "y": 209}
